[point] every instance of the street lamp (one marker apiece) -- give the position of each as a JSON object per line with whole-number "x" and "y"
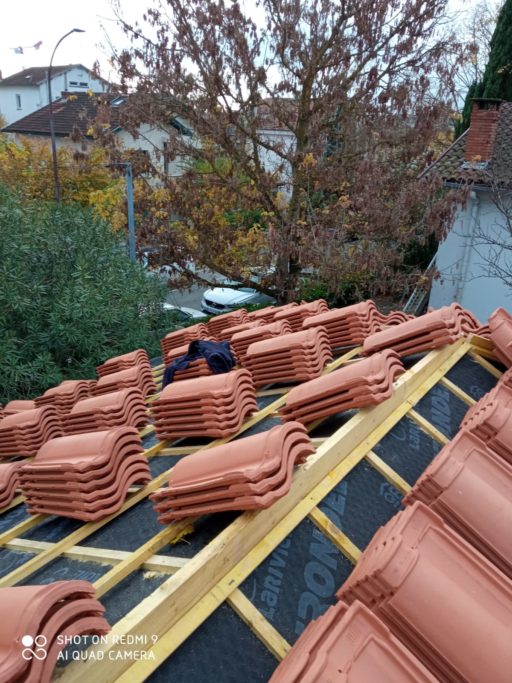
{"x": 56, "y": 183}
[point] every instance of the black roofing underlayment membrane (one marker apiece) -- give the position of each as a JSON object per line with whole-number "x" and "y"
{"x": 11, "y": 518}
{"x": 407, "y": 449}
{"x": 298, "y": 580}
{"x": 471, "y": 377}
{"x": 361, "y": 503}
{"x": 65, "y": 569}
{"x": 11, "y": 560}
{"x": 442, "y": 409}
{"x": 222, "y": 650}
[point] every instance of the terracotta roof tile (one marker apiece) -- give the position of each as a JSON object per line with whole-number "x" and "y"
{"x": 33, "y": 75}
{"x": 70, "y": 112}
{"x": 451, "y": 165}
{"x": 458, "y": 633}
{"x": 85, "y": 476}
{"x": 247, "y": 474}
{"x": 51, "y": 611}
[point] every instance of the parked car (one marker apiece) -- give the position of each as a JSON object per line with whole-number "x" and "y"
{"x": 184, "y": 314}
{"x": 226, "y": 299}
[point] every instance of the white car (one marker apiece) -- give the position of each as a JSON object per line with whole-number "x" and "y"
{"x": 184, "y": 314}
{"x": 225, "y": 299}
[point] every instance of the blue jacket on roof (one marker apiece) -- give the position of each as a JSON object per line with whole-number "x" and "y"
{"x": 218, "y": 355}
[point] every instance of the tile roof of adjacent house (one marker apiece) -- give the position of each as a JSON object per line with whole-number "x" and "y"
{"x": 74, "y": 110}
{"x": 455, "y": 166}
{"x": 35, "y": 75}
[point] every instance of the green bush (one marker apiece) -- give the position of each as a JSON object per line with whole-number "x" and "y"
{"x": 69, "y": 299}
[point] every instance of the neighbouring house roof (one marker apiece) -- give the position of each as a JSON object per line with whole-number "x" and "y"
{"x": 74, "y": 110}
{"x": 454, "y": 166}
{"x": 37, "y": 74}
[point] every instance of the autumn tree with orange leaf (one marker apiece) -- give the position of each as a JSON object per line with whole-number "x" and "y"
{"x": 355, "y": 94}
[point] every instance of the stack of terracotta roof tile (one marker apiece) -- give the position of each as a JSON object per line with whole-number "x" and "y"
{"x": 127, "y": 360}
{"x": 500, "y": 326}
{"x": 183, "y": 337}
{"x": 348, "y": 326}
{"x": 294, "y": 357}
{"x": 248, "y": 474}
{"x": 66, "y": 394}
{"x": 25, "y": 432}
{"x": 176, "y": 352}
{"x": 85, "y": 476}
{"x": 41, "y": 618}
{"x": 212, "y": 406}
{"x": 362, "y": 383}
{"x": 350, "y": 644}
{"x": 396, "y": 318}
{"x": 137, "y": 376}
{"x": 125, "y": 407}
{"x": 295, "y": 315}
{"x": 470, "y": 486}
{"x": 432, "y": 330}
{"x": 241, "y": 341}
{"x": 8, "y": 481}
{"x": 197, "y": 368}
{"x": 443, "y": 599}
{"x": 228, "y": 332}
{"x": 220, "y": 322}
{"x": 483, "y": 331}
{"x": 263, "y": 315}
{"x": 490, "y": 419}
{"x": 14, "y": 407}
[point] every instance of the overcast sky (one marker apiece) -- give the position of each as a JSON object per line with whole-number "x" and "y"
{"x": 26, "y": 22}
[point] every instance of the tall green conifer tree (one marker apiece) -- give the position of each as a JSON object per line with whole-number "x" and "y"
{"x": 497, "y": 79}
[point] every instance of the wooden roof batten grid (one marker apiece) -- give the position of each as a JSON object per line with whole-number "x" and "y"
{"x": 183, "y": 602}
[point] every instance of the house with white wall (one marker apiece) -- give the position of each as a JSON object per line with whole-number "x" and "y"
{"x": 74, "y": 113}
{"x": 27, "y": 91}
{"x": 474, "y": 262}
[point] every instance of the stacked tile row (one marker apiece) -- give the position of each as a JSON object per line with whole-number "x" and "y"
{"x": 263, "y": 315}
{"x": 139, "y": 376}
{"x": 23, "y": 433}
{"x": 14, "y": 407}
{"x": 212, "y": 406}
{"x": 183, "y": 337}
{"x": 125, "y": 407}
{"x": 227, "y": 333}
{"x": 40, "y": 620}
{"x": 8, "y": 481}
{"x": 240, "y": 341}
{"x": 348, "y": 326}
{"x": 127, "y": 360}
{"x": 296, "y": 315}
{"x": 500, "y": 329}
{"x": 444, "y": 600}
{"x": 430, "y": 331}
{"x": 218, "y": 323}
{"x": 295, "y": 357}
{"x": 490, "y": 419}
{"x": 349, "y": 643}
{"x": 248, "y": 474}
{"x": 84, "y": 476}
{"x": 355, "y": 385}
{"x": 64, "y": 396}
{"x": 470, "y": 487}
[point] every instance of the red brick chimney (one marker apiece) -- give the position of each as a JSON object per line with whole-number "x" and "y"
{"x": 482, "y": 129}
